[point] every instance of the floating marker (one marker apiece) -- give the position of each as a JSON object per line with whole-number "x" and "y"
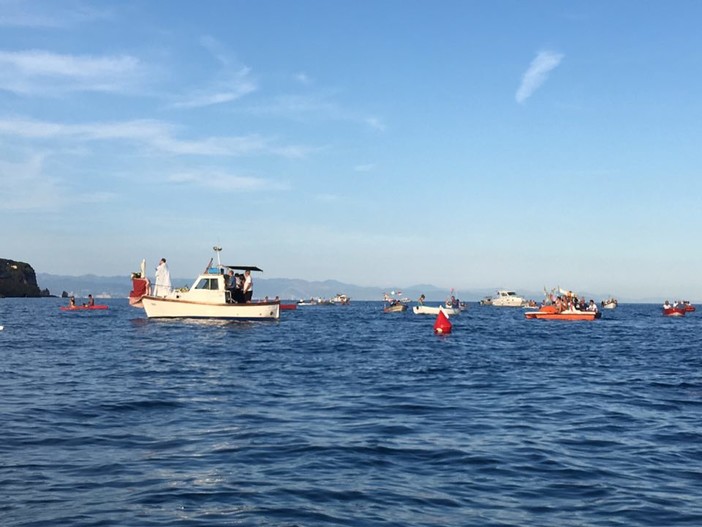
{"x": 442, "y": 326}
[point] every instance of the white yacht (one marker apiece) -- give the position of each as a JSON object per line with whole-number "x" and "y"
{"x": 506, "y": 298}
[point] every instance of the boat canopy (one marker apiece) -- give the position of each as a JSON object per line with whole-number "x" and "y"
{"x": 243, "y": 267}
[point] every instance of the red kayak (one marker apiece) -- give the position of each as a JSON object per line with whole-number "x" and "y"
{"x": 288, "y": 307}
{"x": 83, "y": 308}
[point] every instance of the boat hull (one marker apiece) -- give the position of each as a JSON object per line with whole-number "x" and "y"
{"x": 674, "y": 312}
{"x": 96, "y": 307}
{"x": 156, "y": 307}
{"x": 434, "y": 310}
{"x": 399, "y": 308}
{"x": 550, "y": 313}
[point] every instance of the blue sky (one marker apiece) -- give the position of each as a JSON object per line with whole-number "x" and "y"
{"x": 464, "y": 144}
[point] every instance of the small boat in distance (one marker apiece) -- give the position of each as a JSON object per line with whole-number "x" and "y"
{"x": 394, "y": 303}
{"x": 552, "y": 313}
{"x": 434, "y": 310}
{"x": 566, "y": 306}
{"x": 341, "y": 299}
{"x": 507, "y": 298}
{"x": 610, "y": 303}
{"x": 677, "y": 309}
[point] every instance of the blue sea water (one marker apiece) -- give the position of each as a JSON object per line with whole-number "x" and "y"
{"x": 344, "y": 415}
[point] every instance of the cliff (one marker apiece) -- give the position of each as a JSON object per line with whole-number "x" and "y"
{"x": 18, "y": 279}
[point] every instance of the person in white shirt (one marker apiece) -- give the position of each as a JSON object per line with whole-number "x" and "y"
{"x": 248, "y": 286}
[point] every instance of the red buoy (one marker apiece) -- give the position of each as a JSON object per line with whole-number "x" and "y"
{"x": 442, "y": 326}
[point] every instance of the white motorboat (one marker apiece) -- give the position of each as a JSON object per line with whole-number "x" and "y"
{"x": 434, "y": 310}
{"x": 341, "y": 299}
{"x": 610, "y": 303}
{"x": 506, "y": 298}
{"x": 208, "y": 297}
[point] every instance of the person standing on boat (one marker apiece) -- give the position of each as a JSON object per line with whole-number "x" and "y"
{"x": 163, "y": 279}
{"x": 421, "y": 299}
{"x": 248, "y": 286}
{"x": 231, "y": 285}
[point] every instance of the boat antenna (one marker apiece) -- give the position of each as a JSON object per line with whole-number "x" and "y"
{"x": 217, "y": 249}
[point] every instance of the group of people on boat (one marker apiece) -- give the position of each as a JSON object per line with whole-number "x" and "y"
{"x": 571, "y": 302}
{"x": 682, "y": 304}
{"x": 240, "y": 286}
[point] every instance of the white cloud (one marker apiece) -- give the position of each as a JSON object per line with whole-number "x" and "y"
{"x": 368, "y": 167}
{"x": 224, "y": 182}
{"x": 221, "y": 92}
{"x": 150, "y": 134}
{"x": 26, "y": 187}
{"x": 537, "y": 73}
{"x": 20, "y": 13}
{"x": 231, "y": 82}
{"x": 36, "y": 72}
{"x": 303, "y": 78}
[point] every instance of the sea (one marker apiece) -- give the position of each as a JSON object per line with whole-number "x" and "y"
{"x": 345, "y": 415}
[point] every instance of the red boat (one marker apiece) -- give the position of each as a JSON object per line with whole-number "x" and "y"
{"x": 288, "y": 307}
{"x": 551, "y": 313}
{"x": 83, "y": 308}
{"x": 674, "y": 311}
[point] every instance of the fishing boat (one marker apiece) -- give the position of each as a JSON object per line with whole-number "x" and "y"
{"x": 394, "y": 307}
{"x": 394, "y": 303}
{"x": 549, "y": 312}
{"x": 610, "y": 303}
{"x": 208, "y": 297}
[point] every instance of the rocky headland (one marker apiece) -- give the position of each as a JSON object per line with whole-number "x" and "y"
{"x": 18, "y": 279}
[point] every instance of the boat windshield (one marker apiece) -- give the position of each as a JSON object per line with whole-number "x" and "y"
{"x": 207, "y": 283}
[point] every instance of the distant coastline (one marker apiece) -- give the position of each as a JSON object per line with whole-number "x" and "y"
{"x": 293, "y": 289}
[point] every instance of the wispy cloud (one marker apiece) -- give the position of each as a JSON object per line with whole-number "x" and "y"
{"x": 231, "y": 82}
{"x": 151, "y": 134}
{"x": 537, "y": 73}
{"x": 21, "y": 13}
{"x": 368, "y": 167}
{"x": 303, "y": 78}
{"x": 34, "y": 72}
{"x": 224, "y": 182}
{"x": 26, "y": 187}
{"x": 313, "y": 108}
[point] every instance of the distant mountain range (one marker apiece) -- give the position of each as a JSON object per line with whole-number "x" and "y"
{"x": 285, "y": 288}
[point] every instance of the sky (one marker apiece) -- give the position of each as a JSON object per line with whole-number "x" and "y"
{"x": 465, "y": 144}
